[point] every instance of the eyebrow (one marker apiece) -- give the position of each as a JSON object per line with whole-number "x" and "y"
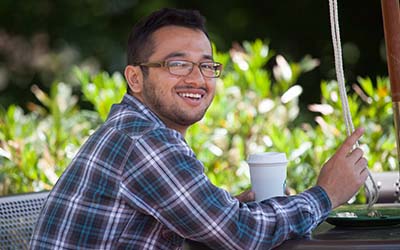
{"x": 181, "y": 54}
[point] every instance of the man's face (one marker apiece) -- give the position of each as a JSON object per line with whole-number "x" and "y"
{"x": 178, "y": 100}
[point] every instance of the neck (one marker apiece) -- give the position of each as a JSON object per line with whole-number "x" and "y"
{"x": 181, "y": 129}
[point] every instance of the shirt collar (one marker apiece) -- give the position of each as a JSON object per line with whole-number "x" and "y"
{"x": 134, "y": 103}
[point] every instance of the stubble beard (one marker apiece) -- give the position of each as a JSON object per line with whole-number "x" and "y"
{"x": 170, "y": 111}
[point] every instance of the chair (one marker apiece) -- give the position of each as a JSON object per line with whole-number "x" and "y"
{"x": 18, "y": 215}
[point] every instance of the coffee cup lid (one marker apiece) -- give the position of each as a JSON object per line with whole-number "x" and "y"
{"x": 267, "y": 157}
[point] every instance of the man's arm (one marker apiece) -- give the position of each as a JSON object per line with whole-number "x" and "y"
{"x": 169, "y": 184}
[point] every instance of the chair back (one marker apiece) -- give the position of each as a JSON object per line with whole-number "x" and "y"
{"x": 18, "y": 216}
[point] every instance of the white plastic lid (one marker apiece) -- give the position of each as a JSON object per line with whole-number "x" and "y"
{"x": 267, "y": 157}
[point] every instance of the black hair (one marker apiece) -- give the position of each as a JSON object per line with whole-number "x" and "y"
{"x": 140, "y": 44}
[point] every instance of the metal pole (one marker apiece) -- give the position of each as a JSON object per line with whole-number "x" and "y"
{"x": 391, "y": 24}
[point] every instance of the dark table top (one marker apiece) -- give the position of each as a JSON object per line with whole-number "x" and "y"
{"x": 327, "y": 236}
{"x": 330, "y": 237}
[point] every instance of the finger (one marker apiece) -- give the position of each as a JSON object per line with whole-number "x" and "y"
{"x": 364, "y": 174}
{"x": 361, "y": 165}
{"x": 355, "y": 155}
{"x": 246, "y": 196}
{"x": 351, "y": 140}
{"x": 251, "y": 196}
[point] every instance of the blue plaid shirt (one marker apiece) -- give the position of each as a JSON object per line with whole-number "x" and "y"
{"x": 136, "y": 184}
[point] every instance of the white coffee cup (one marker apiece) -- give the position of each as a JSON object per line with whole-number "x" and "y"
{"x": 268, "y": 174}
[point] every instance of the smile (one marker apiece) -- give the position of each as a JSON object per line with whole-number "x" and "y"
{"x": 191, "y": 95}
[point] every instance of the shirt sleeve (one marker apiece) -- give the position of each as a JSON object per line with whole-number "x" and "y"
{"x": 163, "y": 178}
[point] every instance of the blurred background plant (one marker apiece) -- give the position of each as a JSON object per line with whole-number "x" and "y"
{"x": 101, "y": 90}
{"x": 36, "y": 146}
{"x": 256, "y": 109}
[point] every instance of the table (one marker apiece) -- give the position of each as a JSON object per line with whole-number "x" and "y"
{"x": 329, "y": 237}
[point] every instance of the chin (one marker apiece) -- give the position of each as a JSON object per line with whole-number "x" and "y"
{"x": 189, "y": 122}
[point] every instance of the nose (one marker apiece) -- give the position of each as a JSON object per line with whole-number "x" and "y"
{"x": 195, "y": 77}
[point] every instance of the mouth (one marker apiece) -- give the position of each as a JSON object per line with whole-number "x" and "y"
{"x": 193, "y": 96}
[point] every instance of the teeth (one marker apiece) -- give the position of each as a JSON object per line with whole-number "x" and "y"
{"x": 190, "y": 95}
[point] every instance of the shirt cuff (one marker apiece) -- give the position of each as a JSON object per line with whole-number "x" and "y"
{"x": 319, "y": 202}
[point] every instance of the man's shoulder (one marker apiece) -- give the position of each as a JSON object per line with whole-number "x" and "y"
{"x": 140, "y": 129}
{"x": 132, "y": 122}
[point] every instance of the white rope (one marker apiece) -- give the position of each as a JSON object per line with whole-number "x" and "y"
{"x": 370, "y": 186}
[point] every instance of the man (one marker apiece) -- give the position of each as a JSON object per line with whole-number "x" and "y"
{"x": 136, "y": 184}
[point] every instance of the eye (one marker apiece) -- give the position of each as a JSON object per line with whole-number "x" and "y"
{"x": 209, "y": 66}
{"x": 179, "y": 64}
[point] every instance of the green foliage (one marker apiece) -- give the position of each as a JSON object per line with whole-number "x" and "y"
{"x": 371, "y": 108}
{"x": 255, "y": 109}
{"x": 102, "y": 90}
{"x": 36, "y": 147}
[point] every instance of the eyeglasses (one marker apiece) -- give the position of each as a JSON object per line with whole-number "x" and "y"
{"x": 184, "y": 68}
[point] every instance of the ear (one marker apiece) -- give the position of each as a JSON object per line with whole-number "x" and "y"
{"x": 134, "y": 78}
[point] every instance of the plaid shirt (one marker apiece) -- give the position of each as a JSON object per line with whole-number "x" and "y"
{"x": 136, "y": 184}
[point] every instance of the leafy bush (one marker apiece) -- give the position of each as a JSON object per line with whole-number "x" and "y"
{"x": 371, "y": 108}
{"x": 102, "y": 90}
{"x": 37, "y": 146}
{"x": 256, "y": 109}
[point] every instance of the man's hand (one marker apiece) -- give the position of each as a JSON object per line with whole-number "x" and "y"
{"x": 345, "y": 172}
{"x": 246, "y": 196}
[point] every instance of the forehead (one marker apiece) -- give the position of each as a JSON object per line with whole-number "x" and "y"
{"x": 185, "y": 42}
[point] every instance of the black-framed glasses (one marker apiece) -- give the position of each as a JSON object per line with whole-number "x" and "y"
{"x": 184, "y": 68}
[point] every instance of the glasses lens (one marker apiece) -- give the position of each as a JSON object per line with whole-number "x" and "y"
{"x": 181, "y": 68}
{"x": 211, "y": 69}
{"x": 184, "y": 68}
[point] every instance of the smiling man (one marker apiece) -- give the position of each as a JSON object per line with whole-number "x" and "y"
{"x": 136, "y": 184}
{"x": 180, "y": 83}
